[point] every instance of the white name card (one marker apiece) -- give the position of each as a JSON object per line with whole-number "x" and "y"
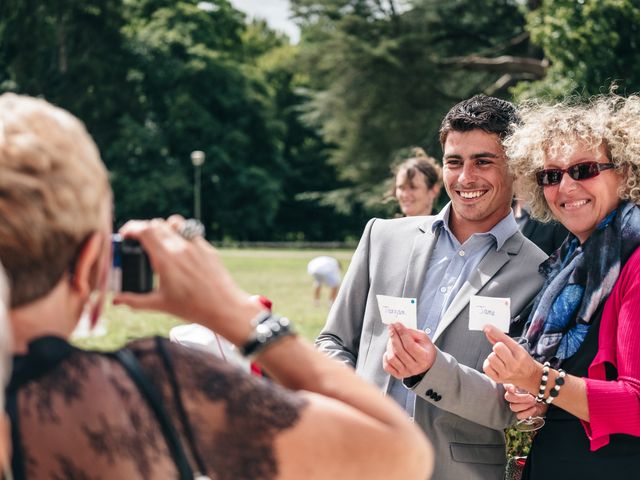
{"x": 489, "y": 310}
{"x": 397, "y": 309}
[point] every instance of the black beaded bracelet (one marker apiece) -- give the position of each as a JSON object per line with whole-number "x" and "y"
{"x": 556, "y": 388}
{"x": 269, "y": 328}
{"x": 543, "y": 382}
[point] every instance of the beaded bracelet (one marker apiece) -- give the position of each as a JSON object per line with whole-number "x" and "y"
{"x": 269, "y": 328}
{"x": 543, "y": 382}
{"x": 556, "y": 388}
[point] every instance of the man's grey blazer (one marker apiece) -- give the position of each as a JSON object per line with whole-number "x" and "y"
{"x": 461, "y": 410}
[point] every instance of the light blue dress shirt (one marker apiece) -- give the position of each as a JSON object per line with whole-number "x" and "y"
{"x": 450, "y": 265}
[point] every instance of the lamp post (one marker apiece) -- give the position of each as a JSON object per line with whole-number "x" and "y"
{"x": 197, "y": 159}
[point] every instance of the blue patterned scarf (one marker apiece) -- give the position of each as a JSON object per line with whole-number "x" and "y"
{"x": 579, "y": 278}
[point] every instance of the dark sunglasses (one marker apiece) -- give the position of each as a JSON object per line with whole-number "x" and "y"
{"x": 579, "y": 171}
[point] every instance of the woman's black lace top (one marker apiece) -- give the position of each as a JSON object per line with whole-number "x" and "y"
{"x": 79, "y": 415}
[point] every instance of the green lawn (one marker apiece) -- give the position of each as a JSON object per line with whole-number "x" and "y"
{"x": 280, "y": 275}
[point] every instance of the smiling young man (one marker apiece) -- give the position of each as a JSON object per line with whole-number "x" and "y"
{"x": 473, "y": 247}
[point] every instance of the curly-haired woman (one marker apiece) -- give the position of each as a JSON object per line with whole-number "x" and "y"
{"x": 580, "y": 164}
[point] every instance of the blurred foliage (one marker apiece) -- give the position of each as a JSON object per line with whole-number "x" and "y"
{"x": 379, "y": 81}
{"x": 71, "y": 53}
{"x": 590, "y": 44}
{"x": 518, "y": 443}
{"x": 196, "y": 92}
{"x": 298, "y": 138}
{"x": 307, "y": 174}
{"x": 154, "y": 80}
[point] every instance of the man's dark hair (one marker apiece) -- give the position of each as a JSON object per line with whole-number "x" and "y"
{"x": 479, "y": 112}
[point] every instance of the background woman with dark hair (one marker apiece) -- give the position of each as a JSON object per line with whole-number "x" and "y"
{"x": 417, "y": 183}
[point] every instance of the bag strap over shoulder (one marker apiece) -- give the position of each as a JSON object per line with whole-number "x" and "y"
{"x": 17, "y": 455}
{"x": 131, "y": 365}
{"x": 184, "y": 418}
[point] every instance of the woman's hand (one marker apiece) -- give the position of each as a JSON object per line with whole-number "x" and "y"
{"x": 194, "y": 284}
{"x": 523, "y": 404}
{"x": 509, "y": 362}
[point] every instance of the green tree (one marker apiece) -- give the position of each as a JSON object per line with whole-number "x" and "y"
{"x": 307, "y": 175}
{"x": 154, "y": 80}
{"x": 590, "y": 45}
{"x": 384, "y": 76}
{"x": 195, "y": 92}
{"x": 70, "y": 53}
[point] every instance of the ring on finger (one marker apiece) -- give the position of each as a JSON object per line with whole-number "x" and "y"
{"x": 191, "y": 229}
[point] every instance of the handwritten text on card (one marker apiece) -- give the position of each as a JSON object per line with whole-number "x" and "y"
{"x": 397, "y": 309}
{"x": 489, "y": 311}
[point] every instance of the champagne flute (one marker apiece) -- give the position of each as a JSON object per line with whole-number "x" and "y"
{"x": 531, "y": 423}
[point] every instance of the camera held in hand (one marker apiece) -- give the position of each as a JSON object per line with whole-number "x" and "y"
{"x": 131, "y": 270}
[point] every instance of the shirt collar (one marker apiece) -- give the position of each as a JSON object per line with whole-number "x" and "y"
{"x": 502, "y": 231}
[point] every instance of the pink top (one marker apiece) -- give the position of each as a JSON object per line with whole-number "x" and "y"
{"x": 614, "y": 406}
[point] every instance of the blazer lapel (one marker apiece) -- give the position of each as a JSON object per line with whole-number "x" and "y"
{"x": 416, "y": 269}
{"x": 418, "y": 262}
{"x": 487, "y": 268}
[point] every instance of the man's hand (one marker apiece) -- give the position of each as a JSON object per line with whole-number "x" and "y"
{"x": 409, "y": 352}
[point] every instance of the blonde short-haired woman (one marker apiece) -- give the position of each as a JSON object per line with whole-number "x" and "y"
{"x": 156, "y": 409}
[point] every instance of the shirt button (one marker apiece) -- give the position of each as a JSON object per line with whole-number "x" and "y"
{"x": 443, "y": 289}
{"x": 461, "y": 253}
{"x": 428, "y": 331}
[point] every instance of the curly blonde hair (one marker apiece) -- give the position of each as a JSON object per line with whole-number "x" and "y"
{"x": 548, "y": 130}
{"x": 53, "y": 187}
